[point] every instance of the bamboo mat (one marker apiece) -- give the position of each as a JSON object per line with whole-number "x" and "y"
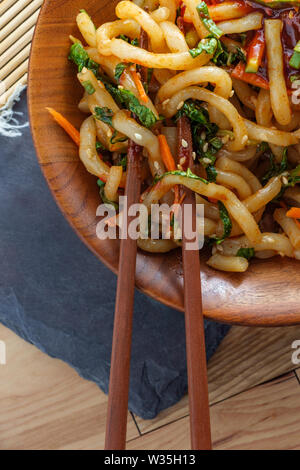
{"x": 17, "y": 22}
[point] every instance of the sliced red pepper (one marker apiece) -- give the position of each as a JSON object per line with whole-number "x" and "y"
{"x": 255, "y": 52}
{"x": 251, "y": 78}
{"x": 180, "y": 24}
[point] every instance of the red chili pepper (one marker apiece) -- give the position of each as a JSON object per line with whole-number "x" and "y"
{"x": 180, "y": 24}
{"x": 252, "y": 78}
{"x": 256, "y": 52}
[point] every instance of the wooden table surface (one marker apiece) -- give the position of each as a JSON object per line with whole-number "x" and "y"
{"x": 254, "y": 396}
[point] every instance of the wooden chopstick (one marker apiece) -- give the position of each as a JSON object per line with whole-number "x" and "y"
{"x": 194, "y": 323}
{"x": 121, "y": 348}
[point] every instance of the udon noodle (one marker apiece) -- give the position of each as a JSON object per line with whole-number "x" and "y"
{"x": 233, "y": 69}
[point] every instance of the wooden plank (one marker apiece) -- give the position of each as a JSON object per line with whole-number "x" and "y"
{"x": 247, "y": 357}
{"x": 45, "y": 404}
{"x": 265, "y": 417}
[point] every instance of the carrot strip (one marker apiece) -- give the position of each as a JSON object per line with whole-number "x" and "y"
{"x": 166, "y": 153}
{"x": 168, "y": 160}
{"x": 139, "y": 85}
{"x": 66, "y": 125}
{"x": 252, "y": 78}
{"x": 294, "y": 213}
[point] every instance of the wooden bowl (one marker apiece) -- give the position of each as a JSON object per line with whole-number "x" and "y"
{"x": 266, "y": 295}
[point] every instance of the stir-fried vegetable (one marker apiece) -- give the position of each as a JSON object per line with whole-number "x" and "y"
{"x": 247, "y": 253}
{"x": 66, "y": 125}
{"x": 294, "y": 213}
{"x": 209, "y": 24}
{"x": 295, "y": 59}
{"x": 255, "y": 52}
{"x": 251, "y": 78}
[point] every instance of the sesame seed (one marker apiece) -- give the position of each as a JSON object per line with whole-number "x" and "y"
{"x": 184, "y": 143}
{"x": 203, "y": 135}
{"x": 245, "y": 139}
{"x": 179, "y": 106}
{"x": 205, "y": 147}
{"x": 206, "y": 160}
{"x": 164, "y": 103}
{"x": 120, "y": 87}
{"x": 109, "y": 133}
{"x": 179, "y": 167}
{"x": 194, "y": 155}
{"x": 182, "y": 160}
{"x": 84, "y": 70}
{"x": 220, "y": 248}
{"x": 285, "y": 180}
{"x": 138, "y": 137}
{"x": 156, "y": 165}
{"x": 231, "y": 94}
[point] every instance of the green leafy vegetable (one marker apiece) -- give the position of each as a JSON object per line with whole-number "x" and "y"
{"x": 106, "y": 201}
{"x": 119, "y": 70}
{"x": 100, "y": 183}
{"x": 99, "y": 147}
{"x": 295, "y": 59}
{"x": 207, "y": 45}
{"x": 104, "y": 115}
{"x": 144, "y": 114}
{"x": 223, "y": 58}
{"x": 87, "y": 85}
{"x": 211, "y": 173}
{"x": 205, "y": 141}
{"x": 227, "y": 224}
{"x": 80, "y": 57}
{"x": 123, "y": 162}
{"x": 134, "y": 42}
{"x": 187, "y": 174}
{"x": 225, "y": 219}
{"x": 247, "y": 253}
{"x": 276, "y": 168}
{"x": 293, "y": 178}
{"x": 294, "y": 78}
{"x": 209, "y": 24}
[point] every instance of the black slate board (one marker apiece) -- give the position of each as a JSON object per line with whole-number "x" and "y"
{"x": 55, "y": 294}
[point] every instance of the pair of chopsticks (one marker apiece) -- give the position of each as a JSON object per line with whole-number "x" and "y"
{"x": 195, "y": 339}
